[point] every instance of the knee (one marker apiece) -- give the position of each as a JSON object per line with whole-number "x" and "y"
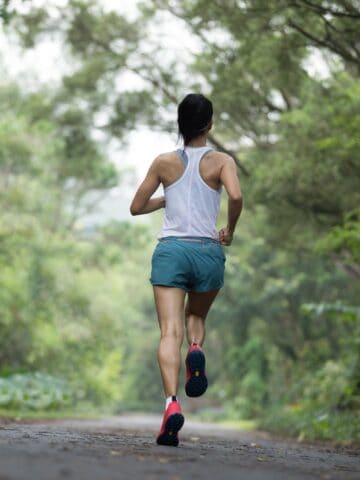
{"x": 193, "y": 317}
{"x": 172, "y": 334}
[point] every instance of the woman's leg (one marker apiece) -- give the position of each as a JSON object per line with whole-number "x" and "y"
{"x": 196, "y": 310}
{"x": 170, "y": 310}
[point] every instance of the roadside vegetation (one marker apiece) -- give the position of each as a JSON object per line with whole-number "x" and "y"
{"x": 78, "y": 329}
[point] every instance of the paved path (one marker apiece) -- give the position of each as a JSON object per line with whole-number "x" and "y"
{"x": 123, "y": 448}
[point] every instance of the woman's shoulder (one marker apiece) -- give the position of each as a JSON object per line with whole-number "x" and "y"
{"x": 220, "y": 157}
{"x": 165, "y": 156}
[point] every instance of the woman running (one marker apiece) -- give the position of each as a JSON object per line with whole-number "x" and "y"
{"x": 189, "y": 257}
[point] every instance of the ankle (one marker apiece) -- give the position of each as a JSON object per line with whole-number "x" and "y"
{"x": 169, "y": 399}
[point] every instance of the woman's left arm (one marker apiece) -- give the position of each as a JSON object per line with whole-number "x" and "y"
{"x": 142, "y": 203}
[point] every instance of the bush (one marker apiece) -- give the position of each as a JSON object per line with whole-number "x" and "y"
{"x": 34, "y": 391}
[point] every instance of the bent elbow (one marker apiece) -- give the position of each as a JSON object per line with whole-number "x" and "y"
{"x": 236, "y": 199}
{"x": 134, "y": 211}
{"x": 236, "y": 202}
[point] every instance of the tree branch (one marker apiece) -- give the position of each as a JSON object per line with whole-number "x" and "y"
{"x": 331, "y": 46}
{"x": 335, "y": 13}
{"x": 285, "y": 98}
{"x": 157, "y": 84}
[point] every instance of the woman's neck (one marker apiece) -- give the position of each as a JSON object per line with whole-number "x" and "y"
{"x": 197, "y": 142}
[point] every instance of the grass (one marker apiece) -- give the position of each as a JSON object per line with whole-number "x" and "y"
{"x": 224, "y": 419}
{"x": 340, "y": 427}
{"x": 17, "y": 414}
{"x": 90, "y": 412}
{"x": 238, "y": 424}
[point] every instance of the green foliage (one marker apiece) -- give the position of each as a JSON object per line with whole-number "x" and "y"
{"x": 343, "y": 241}
{"x": 64, "y": 292}
{"x": 283, "y": 336}
{"x": 34, "y": 391}
{"x": 325, "y": 400}
{"x": 312, "y": 425}
{"x": 310, "y": 171}
{"x": 4, "y": 11}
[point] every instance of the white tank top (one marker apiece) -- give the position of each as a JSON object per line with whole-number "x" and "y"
{"x": 191, "y": 205}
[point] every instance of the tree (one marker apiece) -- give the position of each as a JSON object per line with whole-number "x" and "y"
{"x": 61, "y": 294}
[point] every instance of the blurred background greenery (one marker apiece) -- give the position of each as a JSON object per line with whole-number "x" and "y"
{"x": 78, "y": 329}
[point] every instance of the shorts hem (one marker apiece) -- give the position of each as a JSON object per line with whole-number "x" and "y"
{"x": 175, "y": 285}
{"x": 207, "y": 290}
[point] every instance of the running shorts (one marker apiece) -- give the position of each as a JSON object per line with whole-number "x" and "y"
{"x": 195, "y": 264}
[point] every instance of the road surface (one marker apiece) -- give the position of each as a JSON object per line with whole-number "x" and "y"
{"x": 123, "y": 447}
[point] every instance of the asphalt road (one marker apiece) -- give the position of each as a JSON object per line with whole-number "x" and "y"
{"x": 124, "y": 448}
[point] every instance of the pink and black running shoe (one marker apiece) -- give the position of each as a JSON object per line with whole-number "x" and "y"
{"x": 172, "y": 422}
{"x": 196, "y": 381}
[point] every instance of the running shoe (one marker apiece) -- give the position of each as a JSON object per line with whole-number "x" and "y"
{"x": 196, "y": 381}
{"x": 172, "y": 422}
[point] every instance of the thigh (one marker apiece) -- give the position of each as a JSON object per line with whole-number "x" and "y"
{"x": 169, "y": 303}
{"x": 199, "y": 303}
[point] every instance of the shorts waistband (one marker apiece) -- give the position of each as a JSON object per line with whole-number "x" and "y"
{"x": 191, "y": 239}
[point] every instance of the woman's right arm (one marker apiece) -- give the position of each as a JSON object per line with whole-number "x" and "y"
{"x": 142, "y": 203}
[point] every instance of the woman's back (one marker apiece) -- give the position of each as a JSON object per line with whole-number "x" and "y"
{"x": 172, "y": 167}
{"x": 192, "y": 188}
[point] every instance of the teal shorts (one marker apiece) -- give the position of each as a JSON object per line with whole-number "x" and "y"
{"x": 195, "y": 264}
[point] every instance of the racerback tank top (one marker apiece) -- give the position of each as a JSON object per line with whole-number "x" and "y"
{"x": 191, "y": 205}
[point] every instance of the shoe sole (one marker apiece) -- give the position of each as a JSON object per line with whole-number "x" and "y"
{"x": 197, "y": 383}
{"x": 173, "y": 424}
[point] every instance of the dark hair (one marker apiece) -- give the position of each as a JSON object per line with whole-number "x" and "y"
{"x": 194, "y": 115}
